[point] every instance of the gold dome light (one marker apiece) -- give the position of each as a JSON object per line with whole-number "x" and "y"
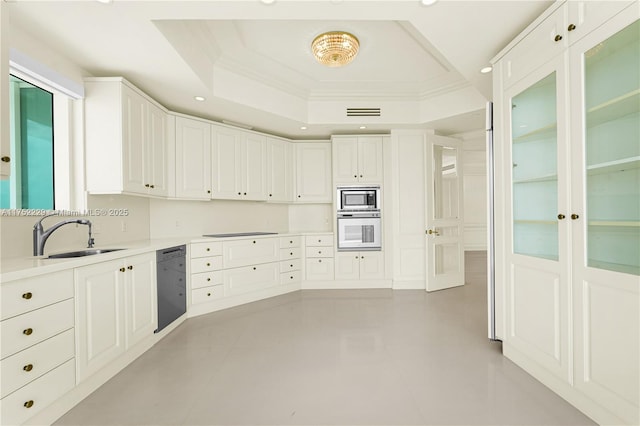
{"x": 335, "y": 48}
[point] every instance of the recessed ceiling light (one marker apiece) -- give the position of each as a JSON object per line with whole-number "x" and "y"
{"x": 429, "y": 2}
{"x": 104, "y": 1}
{"x": 363, "y": 127}
{"x": 486, "y": 70}
{"x": 199, "y": 98}
{"x": 303, "y": 127}
{"x": 268, "y": 1}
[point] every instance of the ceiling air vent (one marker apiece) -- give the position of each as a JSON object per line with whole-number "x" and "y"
{"x": 363, "y": 112}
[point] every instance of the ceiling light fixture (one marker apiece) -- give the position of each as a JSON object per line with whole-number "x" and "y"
{"x": 429, "y": 2}
{"x": 335, "y": 48}
{"x": 199, "y": 98}
{"x": 363, "y": 127}
{"x": 268, "y": 1}
{"x": 486, "y": 70}
{"x": 303, "y": 127}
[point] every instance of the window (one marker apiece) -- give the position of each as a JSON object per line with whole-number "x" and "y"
{"x": 31, "y": 184}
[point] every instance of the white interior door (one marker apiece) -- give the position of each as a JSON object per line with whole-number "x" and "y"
{"x": 444, "y": 215}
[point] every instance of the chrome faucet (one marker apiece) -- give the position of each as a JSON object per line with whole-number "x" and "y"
{"x": 40, "y": 236}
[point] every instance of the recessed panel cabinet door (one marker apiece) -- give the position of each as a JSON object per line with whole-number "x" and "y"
{"x": 140, "y": 298}
{"x": 279, "y": 170}
{"x": 370, "y": 159}
{"x": 226, "y": 161}
{"x": 156, "y": 152}
{"x": 345, "y": 159}
{"x": 313, "y": 173}
{"x": 134, "y": 120}
{"x": 193, "y": 159}
{"x": 254, "y": 164}
{"x": 100, "y": 328}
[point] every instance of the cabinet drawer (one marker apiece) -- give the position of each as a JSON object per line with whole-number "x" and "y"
{"x": 32, "y": 293}
{"x": 319, "y": 269}
{"x": 250, "y": 252}
{"x": 29, "y": 400}
{"x": 29, "y": 364}
{"x": 290, "y": 265}
{"x": 319, "y": 251}
{"x": 251, "y": 278}
{"x": 290, "y": 253}
{"x": 319, "y": 240}
{"x": 293, "y": 241}
{"x": 207, "y": 294}
{"x": 206, "y": 249}
{"x": 26, "y": 330}
{"x": 206, "y": 279}
{"x": 290, "y": 277}
{"x": 206, "y": 264}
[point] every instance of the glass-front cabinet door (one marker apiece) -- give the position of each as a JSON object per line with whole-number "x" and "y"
{"x": 611, "y": 171}
{"x": 537, "y": 285}
{"x": 605, "y": 216}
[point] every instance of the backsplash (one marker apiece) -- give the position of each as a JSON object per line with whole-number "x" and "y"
{"x": 116, "y": 219}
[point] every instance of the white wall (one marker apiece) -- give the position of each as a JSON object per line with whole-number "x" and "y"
{"x": 311, "y": 218}
{"x": 174, "y": 218}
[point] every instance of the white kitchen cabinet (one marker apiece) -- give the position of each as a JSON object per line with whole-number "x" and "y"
{"x": 193, "y": 158}
{"x": 206, "y": 272}
{"x": 252, "y": 251}
{"x": 251, "y": 278}
{"x": 238, "y": 164}
{"x": 5, "y": 141}
{"x": 279, "y": 170}
{"x": 313, "y": 172}
{"x": 37, "y": 342}
{"x": 357, "y": 159}
{"x": 359, "y": 265}
{"x": 319, "y": 259}
{"x": 567, "y": 138}
{"x": 126, "y": 139}
{"x": 116, "y": 308}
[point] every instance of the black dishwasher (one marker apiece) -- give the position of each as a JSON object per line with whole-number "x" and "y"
{"x": 171, "y": 281}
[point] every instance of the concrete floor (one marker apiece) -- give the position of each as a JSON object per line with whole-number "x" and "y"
{"x": 338, "y": 357}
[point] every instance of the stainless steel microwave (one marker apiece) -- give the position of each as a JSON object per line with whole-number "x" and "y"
{"x": 358, "y": 198}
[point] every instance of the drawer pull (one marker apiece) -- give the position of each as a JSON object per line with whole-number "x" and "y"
{"x": 290, "y": 266}
{"x": 254, "y": 268}
{"x": 29, "y": 403}
{"x": 146, "y": 185}
{"x": 319, "y": 260}
{"x": 319, "y": 251}
{"x": 208, "y": 264}
{"x": 290, "y": 242}
{"x": 130, "y": 267}
{"x": 6, "y": 159}
{"x": 557, "y": 37}
{"x": 571, "y": 27}
{"x": 27, "y": 332}
{"x": 291, "y": 277}
{"x": 122, "y": 269}
{"x": 254, "y": 242}
{"x": 290, "y": 253}
{"x": 208, "y": 294}
{"x": 28, "y": 295}
{"x": 28, "y": 367}
{"x": 208, "y": 249}
{"x": 208, "y": 279}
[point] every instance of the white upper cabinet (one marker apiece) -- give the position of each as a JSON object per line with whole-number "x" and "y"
{"x": 357, "y": 159}
{"x": 5, "y": 145}
{"x": 313, "y": 172}
{"x": 279, "y": 170}
{"x": 193, "y": 158}
{"x": 126, "y": 140}
{"x": 238, "y": 164}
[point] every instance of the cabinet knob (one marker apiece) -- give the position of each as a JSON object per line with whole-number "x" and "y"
{"x": 574, "y": 216}
{"x": 356, "y": 257}
{"x": 254, "y": 242}
{"x": 208, "y": 249}
{"x": 319, "y": 260}
{"x": 208, "y": 294}
{"x": 122, "y": 269}
{"x": 355, "y": 176}
{"x": 290, "y": 253}
{"x": 319, "y": 251}
{"x": 208, "y": 279}
{"x": 558, "y": 37}
{"x": 28, "y": 295}
{"x": 29, "y": 403}
{"x": 208, "y": 192}
{"x": 28, "y": 367}
{"x": 130, "y": 267}
{"x": 152, "y": 186}
{"x": 245, "y": 193}
{"x": 360, "y": 175}
{"x": 239, "y": 193}
{"x": 571, "y": 27}
{"x": 146, "y": 185}
{"x": 254, "y": 268}
{"x": 270, "y": 195}
{"x": 298, "y": 196}
{"x": 6, "y": 159}
{"x": 27, "y": 332}
{"x": 290, "y": 242}
{"x": 290, "y": 266}
{"x": 361, "y": 257}
{"x": 291, "y": 277}
{"x": 208, "y": 264}
{"x": 561, "y": 216}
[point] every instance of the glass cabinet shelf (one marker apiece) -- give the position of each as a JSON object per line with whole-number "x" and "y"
{"x": 534, "y": 135}
{"x": 544, "y": 178}
{"x": 535, "y": 222}
{"x": 614, "y": 166}
{"x": 613, "y": 109}
{"x": 615, "y": 223}
{"x": 616, "y": 267}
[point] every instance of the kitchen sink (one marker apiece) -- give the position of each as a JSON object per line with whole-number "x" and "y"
{"x": 82, "y": 253}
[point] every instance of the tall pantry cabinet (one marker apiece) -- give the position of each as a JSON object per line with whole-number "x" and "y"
{"x": 568, "y": 150}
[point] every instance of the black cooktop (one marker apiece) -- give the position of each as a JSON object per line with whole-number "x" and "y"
{"x": 240, "y": 234}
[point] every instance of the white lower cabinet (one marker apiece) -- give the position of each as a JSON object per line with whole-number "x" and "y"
{"x": 251, "y": 278}
{"x": 359, "y": 265}
{"x": 319, "y": 262}
{"x": 116, "y": 308}
{"x": 206, "y": 272}
{"x": 37, "y": 341}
